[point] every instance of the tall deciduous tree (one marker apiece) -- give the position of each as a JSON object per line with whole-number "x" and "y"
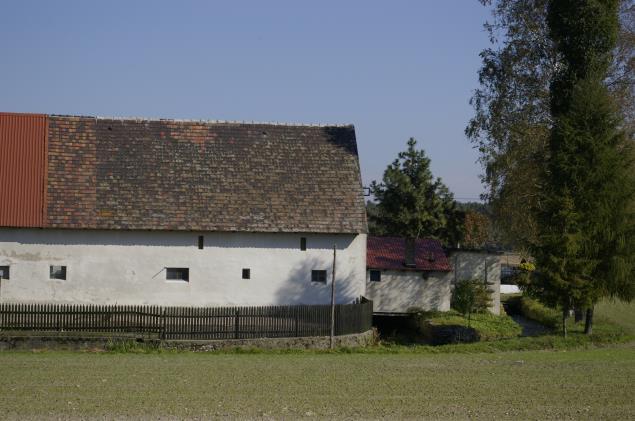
{"x": 512, "y": 121}
{"x": 476, "y": 230}
{"x": 585, "y": 238}
{"x": 412, "y": 203}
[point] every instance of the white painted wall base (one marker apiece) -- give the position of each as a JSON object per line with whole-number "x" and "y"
{"x": 403, "y": 291}
{"x": 128, "y": 267}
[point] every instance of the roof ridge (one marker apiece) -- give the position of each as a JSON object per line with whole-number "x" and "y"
{"x": 208, "y": 121}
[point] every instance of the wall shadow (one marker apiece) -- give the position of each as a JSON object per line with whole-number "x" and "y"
{"x": 298, "y": 288}
{"x": 398, "y": 294}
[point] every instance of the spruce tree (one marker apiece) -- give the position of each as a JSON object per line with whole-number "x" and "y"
{"x": 585, "y": 248}
{"x": 412, "y": 203}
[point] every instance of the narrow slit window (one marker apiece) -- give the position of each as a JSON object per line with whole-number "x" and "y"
{"x": 177, "y": 274}
{"x": 303, "y": 243}
{"x": 4, "y": 272}
{"x": 318, "y": 276}
{"x": 201, "y": 242}
{"x": 57, "y": 272}
{"x": 246, "y": 273}
{"x": 375, "y": 276}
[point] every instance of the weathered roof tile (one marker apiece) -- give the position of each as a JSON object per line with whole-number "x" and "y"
{"x": 203, "y": 176}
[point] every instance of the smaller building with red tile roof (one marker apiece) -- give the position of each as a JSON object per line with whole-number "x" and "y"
{"x": 389, "y": 253}
{"x": 403, "y": 276}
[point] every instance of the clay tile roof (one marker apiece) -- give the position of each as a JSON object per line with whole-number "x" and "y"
{"x": 109, "y": 173}
{"x": 389, "y": 253}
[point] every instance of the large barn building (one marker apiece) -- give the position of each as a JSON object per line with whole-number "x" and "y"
{"x": 167, "y": 212}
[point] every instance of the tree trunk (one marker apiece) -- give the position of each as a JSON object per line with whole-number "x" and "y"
{"x": 588, "y": 323}
{"x": 565, "y": 313}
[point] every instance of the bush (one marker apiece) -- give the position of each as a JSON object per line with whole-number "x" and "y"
{"x": 123, "y": 346}
{"x": 470, "y": 296}
{"x": 540, "y": 313}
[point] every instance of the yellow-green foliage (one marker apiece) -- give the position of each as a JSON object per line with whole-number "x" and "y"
{"x": 527, "y": 266}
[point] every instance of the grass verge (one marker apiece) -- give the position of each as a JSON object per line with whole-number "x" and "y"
{"x": 617, "y": 313}
{"x": 574, "y": 341}
{"x": 489, "y": 326}
{"x": 612, "y": 318}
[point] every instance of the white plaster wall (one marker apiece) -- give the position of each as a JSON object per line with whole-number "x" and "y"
{"x": 128, "y": 267}
{"x": 482, "y": 266}
{"x": 401, "y": 291}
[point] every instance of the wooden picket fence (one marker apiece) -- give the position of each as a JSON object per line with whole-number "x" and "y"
{"x": 189, "y": 322}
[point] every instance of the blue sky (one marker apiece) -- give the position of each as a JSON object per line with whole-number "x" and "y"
{"x": 395, "y": 69}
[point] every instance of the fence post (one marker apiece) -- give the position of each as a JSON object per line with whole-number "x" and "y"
{"x": 58, "y": 318}
{"x": 162, "y": 320}
{"x": 236, "y": 324}
{"x": 297, "y": 321}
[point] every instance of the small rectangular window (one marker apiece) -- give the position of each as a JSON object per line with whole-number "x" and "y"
{"x": 246, "y": 273}
{"x": 4, "y": 272}
{"x": 318, "y": 276}
{"x": 303, "y": 243}
{"x": 57, "y": 272}
{"x": 177, "y": 274}
{"x": 201, "y": 242}
{"x": 375, "y": 276}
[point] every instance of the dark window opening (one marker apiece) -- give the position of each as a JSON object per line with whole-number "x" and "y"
{"x": 58, "y": 272}
{"x": 177, "y": 274}
{"x": 303, "y": 243}
{"x": 318, "y": 276}
{"x": 201, "y": 242}
{"x": 375, "y": 276}
{"x": 4, "y": 272}
{"x": 508, "y": 273}
{"x": 246, "y": 273}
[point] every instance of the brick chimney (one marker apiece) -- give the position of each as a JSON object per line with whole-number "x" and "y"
{"x": 410, "y": 253}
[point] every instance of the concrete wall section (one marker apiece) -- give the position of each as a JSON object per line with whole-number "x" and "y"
{"x": 401, "y": 291}
{"x": 129, "y": 267}
{"x": 482, "y": 266}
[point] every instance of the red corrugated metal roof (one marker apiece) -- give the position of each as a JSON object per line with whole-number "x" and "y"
{"x": 390, "y": 253}
{"x": 23, "y": 139}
